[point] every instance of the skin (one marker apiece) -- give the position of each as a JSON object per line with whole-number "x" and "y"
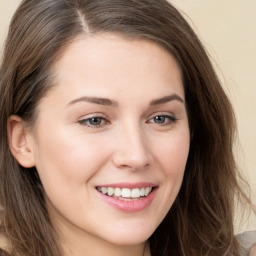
{"x": 253, "y": 251}
{"x": 128, "y": 144}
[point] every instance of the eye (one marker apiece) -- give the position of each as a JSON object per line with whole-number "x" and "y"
{"x": 94, "y": 122}
{"x": 163, "y": 119}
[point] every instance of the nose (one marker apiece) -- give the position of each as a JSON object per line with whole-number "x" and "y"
{"x": 131, "y": 149}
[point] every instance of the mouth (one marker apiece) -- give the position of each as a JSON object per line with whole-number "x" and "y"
{"x": 128, "y": 197}
{"x": 126, "y": 194}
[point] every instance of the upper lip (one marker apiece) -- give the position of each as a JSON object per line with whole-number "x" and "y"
{"x": 129, "y": 185}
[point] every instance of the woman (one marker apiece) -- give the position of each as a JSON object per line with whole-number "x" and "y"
{"x": 117, "y": 136}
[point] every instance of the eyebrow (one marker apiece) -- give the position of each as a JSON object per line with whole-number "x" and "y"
{"x": 110, "y": 102}
{"x": 166, "y": 99}
{"x": 95, "y": 100}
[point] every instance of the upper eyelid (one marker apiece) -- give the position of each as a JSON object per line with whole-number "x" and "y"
{"x": 106, "y": 116}
{"x": 167, "y": 116}
{"x": 92, "y": 115}
{"x": 170, "y": 114}
{"x": 171, "y": 118}
{"x": 101, "y": 115}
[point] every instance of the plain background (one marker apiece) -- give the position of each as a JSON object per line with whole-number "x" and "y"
{"x": 227, "y": 29}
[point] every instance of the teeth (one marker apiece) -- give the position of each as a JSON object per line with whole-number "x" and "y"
{"x": 142, "y": 192}
{"x": 104, "y": 190}
{"x": 111, "y": 191}
{"x": 147, "y": 190}
{"x": 135, "y": 193}
{"x": 118, "y": 192}
{"x": 125, "y": 192}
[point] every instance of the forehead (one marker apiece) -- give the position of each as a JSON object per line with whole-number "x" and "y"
{"x": 106, "y": 61}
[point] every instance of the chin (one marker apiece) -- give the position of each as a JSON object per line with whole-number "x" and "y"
{"x": 130, "y": 236}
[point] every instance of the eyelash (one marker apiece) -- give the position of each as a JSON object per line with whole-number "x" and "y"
{"x": 166, "y": 120}
{"x": 86, "y": 122}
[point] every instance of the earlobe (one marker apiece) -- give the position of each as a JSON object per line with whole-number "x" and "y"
{"x": 20, "y": 142}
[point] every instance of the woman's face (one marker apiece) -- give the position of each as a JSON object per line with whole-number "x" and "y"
{"x": 112, "y": 139}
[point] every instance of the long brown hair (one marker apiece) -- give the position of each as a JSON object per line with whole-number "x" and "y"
{"x": 200, "y": 222}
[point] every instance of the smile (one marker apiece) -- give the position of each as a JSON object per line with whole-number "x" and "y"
{"x": 125, "y": 194}
{"x": 128, "y": 197}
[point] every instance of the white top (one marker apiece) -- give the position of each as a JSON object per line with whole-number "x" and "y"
{"x": 247, "y": 240}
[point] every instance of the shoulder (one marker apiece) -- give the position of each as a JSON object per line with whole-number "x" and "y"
{"x": 246, "y": 241}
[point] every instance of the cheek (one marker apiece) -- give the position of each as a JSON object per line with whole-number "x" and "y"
{"x": 68, "y": 160}
{"x": 172, "y": 154}
{"x": 172, "y": 158}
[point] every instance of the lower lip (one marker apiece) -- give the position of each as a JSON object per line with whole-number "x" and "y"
{"x": 129, "y": 206}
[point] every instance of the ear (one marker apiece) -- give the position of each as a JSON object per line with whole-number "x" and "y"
{"x": 21, "y": 142}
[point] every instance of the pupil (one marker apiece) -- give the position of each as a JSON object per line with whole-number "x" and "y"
{"x": 159, "y": 119}
{"x": 95, "y": 121}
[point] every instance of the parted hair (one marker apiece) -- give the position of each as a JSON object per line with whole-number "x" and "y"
{"x": 200, "y": 222}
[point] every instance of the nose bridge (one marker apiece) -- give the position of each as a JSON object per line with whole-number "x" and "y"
{"x": 131, "y": 147}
